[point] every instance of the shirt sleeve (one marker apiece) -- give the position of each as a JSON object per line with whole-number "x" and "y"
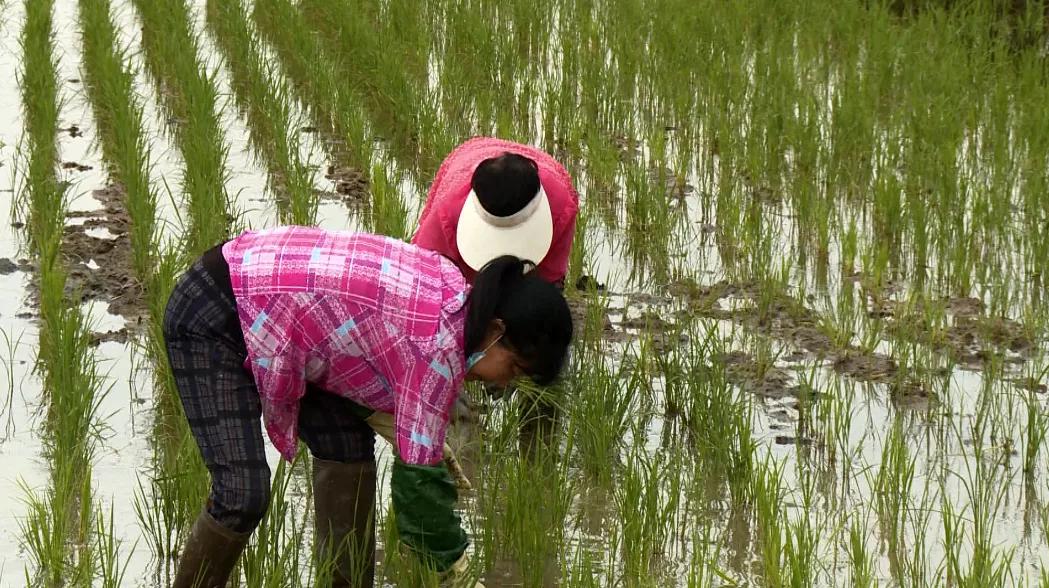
{"x": 425, "y": 387}
{"x": 281, "y": 383}
{"x": 554, "y": 266}
{"x": 273, "y": 336}
{"x": 434, "y": 236}
{"x": 423, "y": 493}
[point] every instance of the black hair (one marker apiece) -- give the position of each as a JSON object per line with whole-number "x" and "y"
{"x": 505, "y": 184}
{"x": 538, "y": 322}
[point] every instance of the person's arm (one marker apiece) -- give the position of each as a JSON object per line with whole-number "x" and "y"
{"x": 423, "y": 493}
{"x": 554, "y": 266}
{"x": 281, "y": 385}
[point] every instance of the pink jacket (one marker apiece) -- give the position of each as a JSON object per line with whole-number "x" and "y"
{"x": 369, "y": 318}
{"x": 437, "y": 225}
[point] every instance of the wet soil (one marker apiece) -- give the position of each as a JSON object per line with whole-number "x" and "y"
{"x": 96, "y": 250}
{"x": 7, "y": 266}
{"x": 766, "y": 381}
{"x": 111, "y": 276}
{"x": 349, "y": 184}
{"x": 966, "y": 332}
{"x": 785, "y": 319}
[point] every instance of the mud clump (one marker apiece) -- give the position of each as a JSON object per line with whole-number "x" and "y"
{"x": 579, "y": 308}
{"x": 587, "y": 283}
{"x": 71, "y": 165}
{"x": 868, "y": 367}
{"x": 965, "y": 307}
{"x": 349, "y": 182}
{"x": 7, "y": 266}
{"x": 766, "y": 381}
{"x": 1029, "y": 384}
{"x": 665, "y": 180}
{"x": 117, "y": 336}
{"x": 100, "y": 267}
{"x": 965, "y": 333}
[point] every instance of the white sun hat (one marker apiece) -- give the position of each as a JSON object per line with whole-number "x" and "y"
{"x": 482, "y": 236}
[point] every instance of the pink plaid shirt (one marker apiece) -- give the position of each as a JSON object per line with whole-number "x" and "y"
{"x": 366, "y": 317}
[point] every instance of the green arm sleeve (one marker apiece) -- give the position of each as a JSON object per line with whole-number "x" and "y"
{"x": 423, "y": 502}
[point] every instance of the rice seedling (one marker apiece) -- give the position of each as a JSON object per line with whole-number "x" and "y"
{"x": 861, "y": 565}
{"x": 9, "y": 383}
{"x": 112, "y": 569}
{"x": 188, "y": 92}
{"x": 389, "y": 216}
{"x": 819, "y": 225}
{"x": 54, "y": 523}
{"x": 331, "y": 105}
{"x": 266, "y": 100}
{"x": 1035, "y": 434}
{"x": 273, "y": 559}
{"x": 893, "y": 485}
{"x": 646, "y": 497}
{"x": 524, "y": 505}
{"x": 600, "y": 412}
{"x": 110, "y": 83}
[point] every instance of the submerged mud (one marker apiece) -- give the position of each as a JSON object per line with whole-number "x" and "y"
{"x": 99, "y": 257}
{"x": 971, "y": 338}
{"x": 349, "y": 183}
{"x": 96, "y": 252}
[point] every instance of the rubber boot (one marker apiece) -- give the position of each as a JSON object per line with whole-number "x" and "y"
{"x": 209, "y": 555}
{"x": 344, "y": 503}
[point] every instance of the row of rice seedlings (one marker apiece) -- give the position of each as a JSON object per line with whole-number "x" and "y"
{"x": 486, "y": 53}
{"x": 400, "y": 105}
{"x": 265, "y": 98}
{"x": 522, "y": 502}
{"x": 334, "y": 108}
{"x": 61, "y": 532}
{"x": 788, "y": 547}
{"x": 189, "y": 93}
{"x": 111, "y": 87}
{"x": 172, "y": 57}
{"x": 600, "y": 409}
{"x": 389, "y": 214}
{"x": 110, "y": 83}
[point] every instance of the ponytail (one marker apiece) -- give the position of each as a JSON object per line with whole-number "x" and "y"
{"x": 490, "y": 285}
{"x": 538, "y": 322}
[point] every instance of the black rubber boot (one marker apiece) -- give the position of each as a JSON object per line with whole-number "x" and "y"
{"x": 344, "y": 504}
{"x": 209, "y": 555}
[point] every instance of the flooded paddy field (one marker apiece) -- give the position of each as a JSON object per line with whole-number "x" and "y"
{"x": 809, "y": 275}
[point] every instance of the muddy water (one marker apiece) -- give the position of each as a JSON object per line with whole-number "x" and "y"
{"x": 124, "y": 454}
{"x": 97, "y": 241}
{"x": 19, "y": 449}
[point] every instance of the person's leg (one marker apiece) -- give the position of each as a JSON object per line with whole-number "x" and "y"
{"x": 221, "y": 404}
{"x": 343, "y": 449}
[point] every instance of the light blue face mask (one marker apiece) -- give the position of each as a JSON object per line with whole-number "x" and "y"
{"x": 477, "y": 356}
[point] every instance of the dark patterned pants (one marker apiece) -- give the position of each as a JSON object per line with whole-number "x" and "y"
{"x": 206, "y": 350}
